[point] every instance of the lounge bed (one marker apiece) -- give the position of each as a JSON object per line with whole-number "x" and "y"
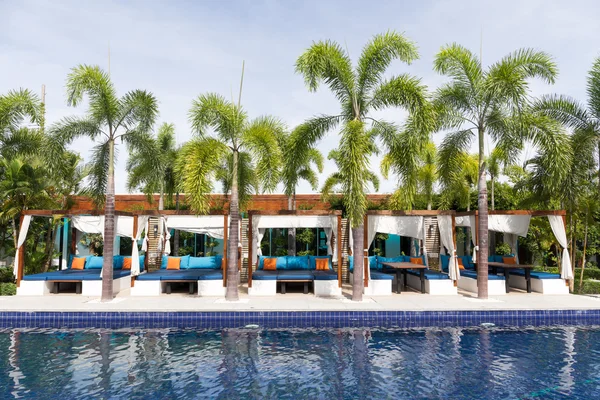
{"x": 541, "y": 282}
{"x": 205, "y": 272}
{"x": 380, "y": 283}
{"x": 468, "y": 277}
{"x": 88, "y": 281}
{"x": 295, "y": 269}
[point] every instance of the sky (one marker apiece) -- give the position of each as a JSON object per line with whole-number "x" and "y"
{"x": 181, "y": 49}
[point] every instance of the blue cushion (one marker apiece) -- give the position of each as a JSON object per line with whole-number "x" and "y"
{"x": 467, "y": 262}
{"x": 94, "y": 262}
{"x": 184, "y": 262}
{"x": 181, "y": 275}
{"x": 372, "y": 262}
{"x": 163, "y": 262}
{"x": 375, "y": 275}
{"x": 211, "y": 275}
{"x": 295, "y": 263}
{"x": 74, "y": 274}
{"x": 473, "y": 274}
{"x": 118, "y": 262}
{"x": 204, "y": 263}
{"x": 313, "y": 261}
{"x": 142, "y": 261}
{"x": 445, "y": 259}
{"x": 325, "y": 275}
{"x": 429, "y": 274}
{"x": 264, "y": 275}
{"x": 380, "y": 266}
{"x": 536, "y": 274}
{"x": 281, "y": 262}
{"x": 295, "y": 275}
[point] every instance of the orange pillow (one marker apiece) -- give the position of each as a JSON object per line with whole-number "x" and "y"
{"x": 78, "y": 263}
{"x": 460, "y": 263}
{"x": 416, "y": 260}
{"x": 509, "y": 260}
{"x": 270, "y": 264}
{"x": 173, "y": 262}
{"x": 127, "y": 263}
{"x": 322, "y": 264}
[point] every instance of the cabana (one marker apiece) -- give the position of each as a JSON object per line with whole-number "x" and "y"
{"x": 88, "y": 281}
{"x": 306, "y": 269}
{"x": 377, "y": 280}
{"x": 515, "y": 223}
{"x": 205, "y": 272}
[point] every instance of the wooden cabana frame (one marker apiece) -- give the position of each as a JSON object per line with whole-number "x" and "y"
{"x": 283, "y": 213}
{"x": 397, "y": 213}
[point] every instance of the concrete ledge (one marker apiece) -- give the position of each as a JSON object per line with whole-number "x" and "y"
{"x": 211, "y": 288}
{"x": 263, "y": 288}
{"x": 377, "y": 287}
{"x": 94, "y": 288}
{"x": 34, "y": 288}
{"x": 544, "y": 286}
{"x": 327, "y": 288}
{"x": 146, "y": 288}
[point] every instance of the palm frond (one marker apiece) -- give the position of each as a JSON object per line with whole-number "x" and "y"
{"x": 96, "y": 84}
{"x": 460, "y": 64}
{"x": 593, "y": 89}
{"x": 214, "y": 111}
{"x": 17, "y": 106}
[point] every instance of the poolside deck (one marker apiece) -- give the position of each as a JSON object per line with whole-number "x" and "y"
{"x": 407, "y": 301}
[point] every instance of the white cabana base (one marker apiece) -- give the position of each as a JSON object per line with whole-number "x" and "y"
{"x": 439, "y": 287}
{"x": 94, "y": 288}
{"x": 211, "y": 288}
{"x": 34, "y": 288}
{"x": 495, "y": 287}
{"x": 146, "y": 288}
{"x": 544, "y": 286}
{"x": 263, "y": 288}
{"x": 377, "y": 287}
{"x": 327, "y": 288}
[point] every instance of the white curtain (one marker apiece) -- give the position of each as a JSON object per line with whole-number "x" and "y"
{"x": 258, "y": 237}
{"x": 211, "y": 225}
{"x": 447, "y": 240}
{"x": 516, "y": 224}
{"x": 135, "y": 255}
{"x": 468, "y": 221}
{"x": 89, "y": 223}
{"x": 558, "y": 228}
{"x": 20, "y": 240}
{"x": 145, "y": 241}
{"x": 167, "y": 237}
{"x": 511, "y": 239}
{"x": 411, "y": 226}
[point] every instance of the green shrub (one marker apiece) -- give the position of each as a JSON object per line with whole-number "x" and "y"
{"x": 588, "y": 273}
{"x": 503, "y": 249}
{"x": 589, "y": 287}
{"x": 8, "y": 289}
{"x": 6, "y": 275}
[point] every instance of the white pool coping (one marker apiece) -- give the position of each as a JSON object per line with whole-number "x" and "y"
{"x": 406, "y": 301}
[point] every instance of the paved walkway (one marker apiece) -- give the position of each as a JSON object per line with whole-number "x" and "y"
{"x": 407, "y": 301}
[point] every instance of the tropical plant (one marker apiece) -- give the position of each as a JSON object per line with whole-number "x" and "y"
{"x": 456, "y": 192}
{"x": 155, "y": 174}
{"x": 360, "y": 91}
{"x": 108, "y": 119}
{"x": 202, "y": 157}
{"x": 478, "y": 102}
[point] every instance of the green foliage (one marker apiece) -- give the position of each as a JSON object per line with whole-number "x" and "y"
{"x": 589, "y": 287}
{"x": 93, "y": 242}
{"x": 8, "y": 289}
{"x": 6, "y": 275}
{"x": 503, "y": 249}
{"x": 305, "y": 236}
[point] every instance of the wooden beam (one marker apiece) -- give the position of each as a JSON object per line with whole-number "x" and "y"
{"x": 339, "y": 249}
{"x": 250, "y": 245}
{"x": 225, "y": 249}
{"x": 366, "y": 251}
{"x": 423, "y": 213}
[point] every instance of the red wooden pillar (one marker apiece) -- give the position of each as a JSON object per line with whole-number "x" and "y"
{"x": 339, "y": 248}
{"x": 225, "y": 248}
{"x": 250, "y": 249}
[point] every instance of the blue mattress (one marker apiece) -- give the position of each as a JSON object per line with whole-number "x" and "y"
{"x": 473, "y": 275}
{"x": 203, "y": 274}
{"x": 74, "y": 275}
{"x": 381, "y": 276}
{"x": 263, "y": 275}
{"x": 429, "y": 274}
{"x": 325, "y": 275}
{"x": 295, "y": 275}
{"x": 536, "y": 274}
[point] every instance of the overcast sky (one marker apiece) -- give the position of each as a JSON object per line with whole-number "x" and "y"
{"x": 180, "y": 49}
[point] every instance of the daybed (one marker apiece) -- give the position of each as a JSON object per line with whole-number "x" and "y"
{"x": 294, "y": 269}
{"x": 205, "y": 272}
{"x": 468, "y": 277}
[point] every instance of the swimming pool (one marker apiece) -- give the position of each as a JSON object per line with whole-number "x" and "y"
{"x": 453, "y": 363}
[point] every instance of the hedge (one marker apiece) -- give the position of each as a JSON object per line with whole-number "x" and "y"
{"x": 589, "y": 287}
{"x": 8, "y": 289}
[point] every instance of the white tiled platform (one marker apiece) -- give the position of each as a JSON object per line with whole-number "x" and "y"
{"x": 407, "y": 301}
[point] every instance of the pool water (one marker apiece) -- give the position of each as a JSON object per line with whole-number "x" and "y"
{"x": 556, "y": 363}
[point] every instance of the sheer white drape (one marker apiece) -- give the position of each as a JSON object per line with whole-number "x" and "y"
{"x": 447, "y": 240}
{"x": 20, "y": 240}
{"x": 558, "y": 228}
{"x": 512, "y": 239}
{"x": 135, "y": 255}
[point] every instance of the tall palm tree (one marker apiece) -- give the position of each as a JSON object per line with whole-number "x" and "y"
{"x": 360, "y": 91}
{"x": 576, "y": 115}
{"x": 108, "y": 119}
{"x": 477, "y": 102}
{"x": 458, "y": 186}
{"x": 155, "y": 173}
{"x": 16, "y": 107}
{"x": 202, "y": 157}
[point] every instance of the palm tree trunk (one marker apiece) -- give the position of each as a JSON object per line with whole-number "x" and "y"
{"x": 482, "y": 254}
{"x": 291, "y": 231}
{"x": 233, "y": 275}
{"x": 109, "y": 227}
{"x": 585, "y": 236}
{"x": 358, "y": 283}
{"x": 15, "y": 233}
{"x": 176, "y": 234}
{"x": 49, "y": 247}
{"x": 493, "y": 202}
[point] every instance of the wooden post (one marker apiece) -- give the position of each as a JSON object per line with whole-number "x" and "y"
{"x": 225, "y": 249}
{"x": 339, "y": 248}
{"x": 73, "y": 241}
{"x": 134, "y": 243}
{"x": 21, "y": 251}
{"x": 250, "y": 245}
{"x": 366, "y": 251}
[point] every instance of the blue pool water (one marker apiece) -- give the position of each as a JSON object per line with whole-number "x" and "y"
{"x": 554, "y": 363}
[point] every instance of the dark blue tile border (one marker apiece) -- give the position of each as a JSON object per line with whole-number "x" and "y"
{"x": 297, "y": 319}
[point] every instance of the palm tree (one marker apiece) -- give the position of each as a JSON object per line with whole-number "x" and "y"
{"x": 360, "y": 91}
{"x": 301, "y": 159}
{"x": 109, "y": 118}
{"x": 477, "y": 102}
{"x": 575, "y": 115}
{"x": 202, "y": 157}
{"x": 155, "y": 172}
{"x": 15, "y": 107}
{"x": 457, "y": 187}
